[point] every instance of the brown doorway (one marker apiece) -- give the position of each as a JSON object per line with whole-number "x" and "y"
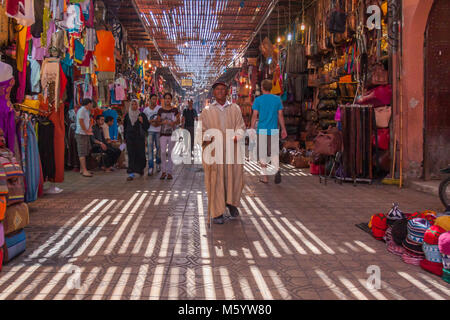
{"x": 437, "y": 90}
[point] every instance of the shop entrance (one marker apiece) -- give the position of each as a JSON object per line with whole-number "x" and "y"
{"x": 437, "y": 90}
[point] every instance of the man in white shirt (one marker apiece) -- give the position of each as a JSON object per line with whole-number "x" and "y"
{"x": 83, "y": 133}
{"x": 153, "y": 134}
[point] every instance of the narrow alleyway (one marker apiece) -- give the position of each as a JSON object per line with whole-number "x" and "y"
{"x": 148, "y": 239}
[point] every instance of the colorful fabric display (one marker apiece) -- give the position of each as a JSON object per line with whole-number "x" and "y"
{"x": 2, "y": 235}
{"x": 17, "y": 217}
{"x": 413, "y": 242}
{"x": 14, "y": 245}
{"x": 410, "y": 259}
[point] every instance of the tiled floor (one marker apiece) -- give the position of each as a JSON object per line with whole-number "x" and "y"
{"x": 149, "y": 239}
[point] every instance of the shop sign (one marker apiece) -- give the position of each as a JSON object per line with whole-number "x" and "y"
{"x": 186, "y": 82}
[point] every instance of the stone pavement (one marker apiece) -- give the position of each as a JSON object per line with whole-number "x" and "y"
{"x": 149, "y": 239}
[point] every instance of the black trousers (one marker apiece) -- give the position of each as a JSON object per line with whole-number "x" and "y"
{"x": 191, "y": 132}
{"x": 112, "y": 154}
{"x": 136, "y": 155}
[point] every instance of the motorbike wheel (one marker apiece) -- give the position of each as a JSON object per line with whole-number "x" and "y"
{"x": 444, "y": 193}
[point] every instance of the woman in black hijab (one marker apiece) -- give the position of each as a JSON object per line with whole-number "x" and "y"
{"x": 135, "y": 126}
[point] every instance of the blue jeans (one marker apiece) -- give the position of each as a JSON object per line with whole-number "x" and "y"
{"x": 153, "y": 141}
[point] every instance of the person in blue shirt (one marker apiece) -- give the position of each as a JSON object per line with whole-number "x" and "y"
{"x": 268, "y": 111}
{"x": 114, "y": 129}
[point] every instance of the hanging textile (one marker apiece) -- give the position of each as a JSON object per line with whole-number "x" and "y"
{"x": 32, "y": 163}
{"x": 46, "y": 130}
{"x": 7, "y": 122}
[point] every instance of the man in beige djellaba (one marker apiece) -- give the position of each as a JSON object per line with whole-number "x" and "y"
{"x": 223, "y": 137}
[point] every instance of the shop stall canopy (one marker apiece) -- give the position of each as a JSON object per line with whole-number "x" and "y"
{"x": 199, "y": 39}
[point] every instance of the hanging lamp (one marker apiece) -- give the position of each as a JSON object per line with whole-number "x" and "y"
{"x": 289, "y": 36}
{"x": 303, "y": 26}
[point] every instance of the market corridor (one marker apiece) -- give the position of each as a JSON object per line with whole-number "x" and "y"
{"x": 148, "y": 239}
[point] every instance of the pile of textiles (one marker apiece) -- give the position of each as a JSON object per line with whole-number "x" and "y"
{"x": 444, "y": 248}
{"x": 433, "y": 258}
{"x": 14, "y": 214}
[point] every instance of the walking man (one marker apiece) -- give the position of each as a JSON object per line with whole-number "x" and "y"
{"x": 188, "y": 121}
{"x": 269, "y": 109}
{"x": 83, "y": 133}
{"x": 224, "y": 180}
{"x": 153, "y": 134}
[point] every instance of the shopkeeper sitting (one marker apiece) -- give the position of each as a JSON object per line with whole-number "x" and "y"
{"x": 100, "y": 145}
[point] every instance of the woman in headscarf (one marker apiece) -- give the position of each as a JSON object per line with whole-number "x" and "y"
{"x": 135, "y": 126}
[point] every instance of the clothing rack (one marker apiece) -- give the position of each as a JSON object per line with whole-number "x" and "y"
{"x": 357, "y": 131}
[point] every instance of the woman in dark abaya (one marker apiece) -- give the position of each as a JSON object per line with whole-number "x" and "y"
{"x": 135, "y": 126}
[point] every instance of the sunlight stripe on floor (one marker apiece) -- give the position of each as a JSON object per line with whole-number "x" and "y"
{"x": 276, "y": 236}
{"x": 121, "y": 285}
{"x": 435, "y": 283}
{"x": 130, "y": 235}
{"x": 115, "y": 239}
{"x": 208, "y": 281}
{"x": 155, "y": 291}
{"x": 91, "y": 238}
{"x": 262, "y": 285}
{"x": 351, "y": 287}
{"x": 266, "y": 239}
{"x": 140, "y": 281}
{"x": 129, "y": 203}
{"x": 44, "y": 292}
{"x": 104, "y": 283}
{"x": 87, "y": 283}
{"x": 259, "y": 249}
{"x": 151, "y": 244}
{"x": 18, "y": 282}
{"x": 173, "y": 283}
{"x": 302, "y": 238}
{"x": 97, "y": 247}
{"x": 165, "y": 239}
{"x": 138, "y": 245}
{"x": 421, "y": 286}
{"x": 331, "y": 285}
{"x": 34, "y": 284}
{"x": 226, "y": 283}
{"x": 202, "y": 228}
{"x": 365, "y": 246}
{"x": 375, "y": 292}
{"x": 392, "y": 291}
{"x": 279, "y": 285}
{"x": 246, "y": 289}
{"x": 315, "y": 238}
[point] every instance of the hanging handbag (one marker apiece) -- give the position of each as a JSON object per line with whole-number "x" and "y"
{"x": 379, "y": 76}
{"x": 336, "y": 20}
{"x": 328, "y": 142}
{"x": 383, "y": 116}
{"x": 382, "y": 138}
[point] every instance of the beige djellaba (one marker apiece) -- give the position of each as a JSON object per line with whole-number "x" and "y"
{"x": 224, "y": 181}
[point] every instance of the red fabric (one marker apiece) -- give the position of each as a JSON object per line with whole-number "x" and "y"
{"x": 87, "y": 59}
{"x": 20, "y": 96}
{"x": 424, "y": 215}
{"x": 13, "y": 7}
{"x": 432, "y": 267}
{"x": 432, "y": 235}
{"x": 316, "y": 169}
{"x": 379, "y": 225}
{"x": 383, "y": 138}
{"x": 57, "y": 118}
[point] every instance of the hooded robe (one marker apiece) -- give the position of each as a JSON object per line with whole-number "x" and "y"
{"x": 224, "y": 182}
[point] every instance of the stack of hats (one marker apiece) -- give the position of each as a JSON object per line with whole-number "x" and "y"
{"x": 427, "y": 215}
{"x": 378, "y": 223}
{"x": 433, "y": 258}
{"x": 443, "y": 222}
{"x": 444, "y": 248}
{"x": 399, "y": 233}
{"x": 414, "y": 240}
{"x": 392, "y": 216}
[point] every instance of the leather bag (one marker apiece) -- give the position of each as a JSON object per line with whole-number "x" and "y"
{"x": 336, "y": 20}
{"x": 379, "y": 76}
{"x": 328, "y": 142}
{"x": 383, "y": 116}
